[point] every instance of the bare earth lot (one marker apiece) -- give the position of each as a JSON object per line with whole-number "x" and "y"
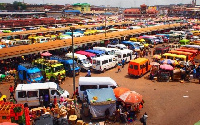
{"x": 164, "y": 101}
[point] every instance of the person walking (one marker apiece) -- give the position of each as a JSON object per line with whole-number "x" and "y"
{"x": 59, "y": 79}
{"x": 88, "y": 73}
{"x": 119, "y": 67}
{"x": 123, "y": 63}
{"x": 11, "y": 89}
{"x": 145, "y": 116}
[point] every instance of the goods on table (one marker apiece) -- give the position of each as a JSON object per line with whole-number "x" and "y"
{"x": 14, "y": 113}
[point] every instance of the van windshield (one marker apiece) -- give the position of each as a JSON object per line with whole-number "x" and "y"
{"x": 35, "y": 75}
{"x": 58, "y": 68}
{"x": 75, "y": 65}
{"x": 60, "y": 90}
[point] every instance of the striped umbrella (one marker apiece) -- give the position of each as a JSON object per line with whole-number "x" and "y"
{"x": 131, "y": 97}
{"x": 167, "y": 61}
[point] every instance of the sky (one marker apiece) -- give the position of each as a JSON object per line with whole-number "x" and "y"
{"x": 115, "y": 3}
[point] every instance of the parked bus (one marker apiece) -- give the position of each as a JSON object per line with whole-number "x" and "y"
{"x": 160, "y": 50}
{"x": 94, "y": 83}
{"x": 195, "y": 52}
{"x": 89, "y": 56}
{"x": 174, "y": 57}
{"x": 97, "y": 52}
{"x": 108, "y": 51}
{"x": 81, "y": 60}
{"x": 125, "y": 54}
{"x": 188, "y": 54}
{"x": 104, "y": 63}
{"x": 139, "y": 67}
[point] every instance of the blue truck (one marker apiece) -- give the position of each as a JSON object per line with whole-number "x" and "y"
{"x": 29, "y": 74}
{"x": 68, "y": 65}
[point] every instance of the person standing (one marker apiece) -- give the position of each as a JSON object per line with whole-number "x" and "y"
{"x": 194, "y": 73}
{"x": 145, "y": 116}
{"x": 11, "y": 89}
{"x": 46, "y": 100}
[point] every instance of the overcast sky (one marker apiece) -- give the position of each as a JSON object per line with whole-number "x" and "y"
{"x": 116, "y": 3}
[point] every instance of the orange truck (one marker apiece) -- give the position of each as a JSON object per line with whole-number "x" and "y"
{"x": 139, "y": 67}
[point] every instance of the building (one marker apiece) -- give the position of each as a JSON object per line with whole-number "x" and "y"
{"x": 144, "y": 11}
{"x": 82, "y": 7}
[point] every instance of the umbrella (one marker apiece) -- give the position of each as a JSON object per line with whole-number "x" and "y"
{"x": 8, "y": 123}
{"x": 142, "y": 40}
{"x": 131, "y": 97}
{"x": 119, "y": 91}
{"x": 167, "y": 61}
{"x": 156, "y": 56}
{"x": 46, "y": 54}
{"x": 154, "y": 64}
{"x": 166, "y": 67}
{"x": 197, "y": 123}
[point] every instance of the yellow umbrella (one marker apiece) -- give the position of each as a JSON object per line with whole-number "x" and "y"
{"x": 142, "y": 40}
{"x": 156, "y": 56}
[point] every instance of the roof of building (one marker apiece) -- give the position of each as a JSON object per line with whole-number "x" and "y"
{"x": 72, "y": 11}
{"x": 132, "y": 10}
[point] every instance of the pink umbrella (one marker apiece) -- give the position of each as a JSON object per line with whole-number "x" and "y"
{"x": 131, "y": 97}
{"x": 8, "y": 123}
{"x": 46, "y": 54}
{"x": 166, "y": 67}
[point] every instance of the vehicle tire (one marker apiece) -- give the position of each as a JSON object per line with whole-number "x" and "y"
{"x": 141, "y": 75}
{"x": 52, "y": 79}
{"x": 104, "y": 70}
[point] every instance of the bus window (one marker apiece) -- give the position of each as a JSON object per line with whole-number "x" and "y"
{"x": 103, "y": 86}
{"x": 84, "y": 87}
{"x": 98, "y": 62}
{"x": 135, "y": 67}
{"x": 131, "y": 66}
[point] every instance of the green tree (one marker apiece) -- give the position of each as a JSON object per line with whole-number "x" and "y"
{"x": 2, "y": 6}
{"x": 19, "y": 5}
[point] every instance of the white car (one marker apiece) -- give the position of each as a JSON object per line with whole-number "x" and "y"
{"x": 140, "y": 45}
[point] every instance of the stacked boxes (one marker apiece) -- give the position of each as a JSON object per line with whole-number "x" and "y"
{"x": 17, "y": 113}
{"x": 5, "y": 111}
{"x": 14, "y": 113}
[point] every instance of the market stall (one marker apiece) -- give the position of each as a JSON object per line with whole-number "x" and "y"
{"x": 100, "y": 100}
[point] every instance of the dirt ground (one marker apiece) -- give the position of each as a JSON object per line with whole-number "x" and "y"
{"x": 166, "y": 103}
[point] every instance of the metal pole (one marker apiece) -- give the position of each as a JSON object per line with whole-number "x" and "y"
{"x": 105, "y": 22}
{"x": 73, "y": 59}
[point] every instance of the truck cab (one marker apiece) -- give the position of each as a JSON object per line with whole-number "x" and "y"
{"x": 29, "y": 73}
{"x": 68, "y": 65}
{"x": 50, "y": 68}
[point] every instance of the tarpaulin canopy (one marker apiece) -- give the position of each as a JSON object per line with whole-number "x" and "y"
{"x": 105, "y": 99}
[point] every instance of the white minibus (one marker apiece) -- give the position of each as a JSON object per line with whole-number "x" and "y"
{"x": 30, "y": 93}
{"x": 104, "y": 62}
{"x": 125, "y": 54}
{"x": 94, "y": 83}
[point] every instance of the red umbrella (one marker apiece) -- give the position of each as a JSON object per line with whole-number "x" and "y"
{"x": 119, "y": 91}
{"x": 46, "y": 54}
{"x": 166, "y": 67}
{"x": 131, "y": 97}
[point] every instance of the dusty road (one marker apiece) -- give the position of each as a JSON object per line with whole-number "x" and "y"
{"x": 166, "y": 103}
